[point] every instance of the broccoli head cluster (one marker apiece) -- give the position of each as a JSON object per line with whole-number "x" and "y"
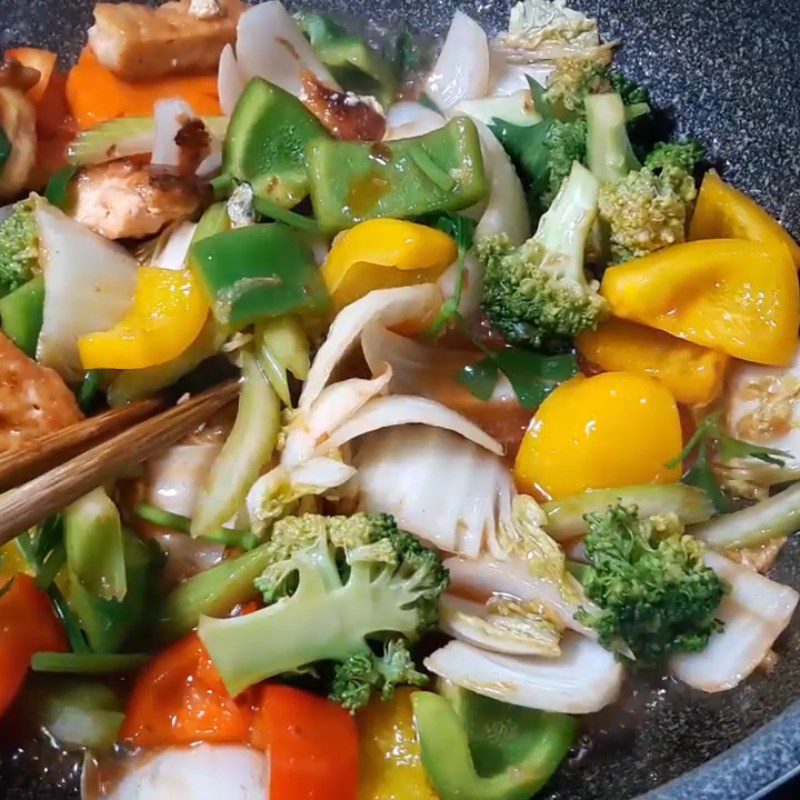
{"x": 655, "y": 594}
{"x": 19, "y": 247}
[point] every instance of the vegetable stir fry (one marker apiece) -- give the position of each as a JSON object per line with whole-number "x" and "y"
{"x": 516, "y": 415}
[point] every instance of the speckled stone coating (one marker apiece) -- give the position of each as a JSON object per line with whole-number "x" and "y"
{"x": 728, "y": 73}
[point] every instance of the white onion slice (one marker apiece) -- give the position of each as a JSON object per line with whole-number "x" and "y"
{"x": 89, "y": 283}
{"x": 755, "y": 613}
{"x": 270, "y": 45}
{"x": 389, "y": 307}
{"x": 172, "y": 255}
{"x": 169, "y": 116}
{"x": 174, "y": 480}
{"x": 462, "y": 70}
{"x": 440, "y": 487}
{"x": 407, "y": 119}
{"x": 583, "y": 679}
{"x": 486, "y": 576}
{"x": 186, "y": 556}
{"x": 230, "y": 80}
{"x": 201, "y": 772}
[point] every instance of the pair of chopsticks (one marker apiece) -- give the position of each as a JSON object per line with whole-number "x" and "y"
{"x": 54, "y": 471}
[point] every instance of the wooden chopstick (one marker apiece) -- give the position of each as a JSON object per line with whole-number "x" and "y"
{"x": 47, "y": 452}
{"x": 46, "y": 494}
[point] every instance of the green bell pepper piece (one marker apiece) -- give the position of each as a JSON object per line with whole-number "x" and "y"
{"x": 212, "y": 593}
{"x": 476, "y": 748}
{"x": 353, "y": 181}
{"x": 109, "y": 625}
{"x": 354, "y": 64}
{"x": 87, "y": 663}
{"x": 266, "y": 142}
{"x": 257, "y": 271}
{"x": 21, "y": 313}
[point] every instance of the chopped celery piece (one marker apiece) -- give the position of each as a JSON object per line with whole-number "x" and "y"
{"x": 266, "y": 142}
{"x": 247, "y": 449}
{"x": 439, "y": 171}
{"x": 211, "y": 593}
{"x": 773, "y": 518}
{"x": 87, "y": 663}
{"x": 565, "y": 517}
{"x": 95, "y": 548}
{"x": 214, "y": 220}
{"x": 129, "y": 136}
{"x": 21, "y": 314}
{"x": 133, "y": 384}
{"x": 282, "y": 346}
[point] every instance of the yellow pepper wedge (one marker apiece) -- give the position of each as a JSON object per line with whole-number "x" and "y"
{"x": 384, "y": 254}
{"x": 693, "y": 374}
{"x": 391, "y": 763}
{"x": 722, "y": 212}
{"x": 166, "y": 316}
{"x": 738, "y": 297}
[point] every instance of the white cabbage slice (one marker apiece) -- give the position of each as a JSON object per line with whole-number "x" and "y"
{"x": 388, "y": 307}
{"x": 755, "y": 613}
{"x": 407, "y": 119}
{"x": 88, "y": 281}
{"x": 174, "y": 480}
{"x": 582, "y": 680}
{"x": 462, "y": 70}
{"x": 444, "y": 489}
{"x": 512, "y": 577}
{"x": 201, "y": 772}
{"x": 270, "y": 45}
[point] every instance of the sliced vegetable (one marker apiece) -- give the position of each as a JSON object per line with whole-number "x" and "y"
{"x": 213, "y": 593}
{"x": 116, "y": 138}
{"x": 735, "y": 296}
{"x": 354, "y": 64}
{"x": 57, "y": 191}
{"x": 27, "y": 625}
{"x": 566, "y": 516}
{"x": 692, "y": 373}
{"x": 133, "y": 384}
{"x": 281, "y": 347}
{"x": 722, "y": 212}
{"x": 516, "y": 109}
{"x": 95, "y": 546}
{"x": 179, "y": 699}
{"x": 246, "y": 451}
{"x": 583, "y": 679}
{"x": 298, "y": 729}
{"x": 167, "y": 314}
{"x": 353, "y": 181}
{"x": 89, "y": 284}
{"x": 96, "y": 95}
{"x": 87, "y": 663}
{"x": 383, "y": 253}
{"x": 259, "y": 271}
{"x": 43, "y": 61}
{"x": 266, "y": 141}
{"x": 476, "y": 748}
{"x": 614, "y": 429}
{"x": 21, "y": 313}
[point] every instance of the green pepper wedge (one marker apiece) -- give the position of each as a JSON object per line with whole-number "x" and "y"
{"x": 476, "y": 748}
{"x": 258, "y": 271}
{"x": 353, "y": 181}
{"x": 21, "y": 313}
{"x": 266, "y": 142}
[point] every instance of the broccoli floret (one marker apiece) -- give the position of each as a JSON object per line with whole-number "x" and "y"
{"x": 566, "y": 143}
{"x": 354, "y": 591}
{"x": 645, "y": 207}
{"x": 356, "y": 678}
{"x": 655, "y": 594}
{"x": 572, "y": 79}
{"x": 635, "y": 98}
{"x": 19, "y": 247}
{"x": 538, "y": 294}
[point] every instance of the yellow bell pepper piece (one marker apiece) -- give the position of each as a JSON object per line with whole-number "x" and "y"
{"x": 692, "y": 373}
{"x": 166, "y": 316}
{"x": 739, "y": 297}
{"x": 722, "y": 212}
{"x": 391, "y": 765}
{"x": 383, "y": 254}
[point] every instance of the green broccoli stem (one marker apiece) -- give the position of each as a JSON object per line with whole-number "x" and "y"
{"x": 319, "y": 622}
{"x": 609, "y": 153}
{"x": 563, "y": 230}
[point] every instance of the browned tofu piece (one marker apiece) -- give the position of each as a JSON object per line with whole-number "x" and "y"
{"x": 34, "y": 400}
{"x": 127, "y": 200}
{"x": 140, "y": 43}
{"x": 18, "y": 122}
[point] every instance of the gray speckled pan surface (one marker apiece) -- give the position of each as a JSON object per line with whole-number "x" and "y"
{"x": 728, "y": 73}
